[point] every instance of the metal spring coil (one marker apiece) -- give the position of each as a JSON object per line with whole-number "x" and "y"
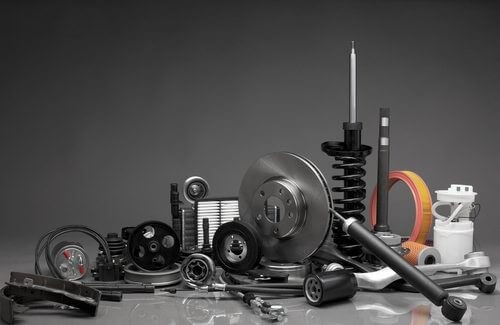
{"x": 354, "y": 193}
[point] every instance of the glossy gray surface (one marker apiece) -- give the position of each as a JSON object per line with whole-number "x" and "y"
{"x": 103, "y": 104}
{"x": 198, "y": 308}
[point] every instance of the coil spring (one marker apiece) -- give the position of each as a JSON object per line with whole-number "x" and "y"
{"x": 354, "y": 193}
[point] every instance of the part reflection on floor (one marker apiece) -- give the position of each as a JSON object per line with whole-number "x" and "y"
{"x": 364, "y": 308}
{"x": 218, "y": 308}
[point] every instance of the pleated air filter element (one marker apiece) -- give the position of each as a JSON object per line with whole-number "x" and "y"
{"x": 217, "y": 211}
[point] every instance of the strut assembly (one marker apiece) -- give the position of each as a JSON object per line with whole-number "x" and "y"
{"x": 351, "y": 156}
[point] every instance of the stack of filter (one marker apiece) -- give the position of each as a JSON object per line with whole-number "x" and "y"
{"x": 218, "y": 212}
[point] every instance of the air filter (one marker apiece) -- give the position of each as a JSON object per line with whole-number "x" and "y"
{"x": 217, "y": 211}
{"x": 420, "y": 254}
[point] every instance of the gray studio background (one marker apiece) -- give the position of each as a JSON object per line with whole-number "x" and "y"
{"x": 104, "y": 105}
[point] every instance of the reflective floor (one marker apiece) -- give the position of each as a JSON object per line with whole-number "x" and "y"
{"x": 199, "y": 308}
{"x": 364, "y": 308}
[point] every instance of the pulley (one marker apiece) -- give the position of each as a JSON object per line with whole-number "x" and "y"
{"x": 237, "y": 246}
{"x": 153, "y": 246}
{"x": 166, "y": 277}
{"x": 195, "y": 188}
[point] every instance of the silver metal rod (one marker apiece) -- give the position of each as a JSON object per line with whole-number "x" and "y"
{"x": 352, "y": 86}
{"x": 338, "y": 215}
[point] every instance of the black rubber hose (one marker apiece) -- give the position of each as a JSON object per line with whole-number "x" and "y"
{"x": 245, "y": 288}
{"x": 274, "y": 285}
{"x": 78, "y": 228}
{"x": 50, "y": 236}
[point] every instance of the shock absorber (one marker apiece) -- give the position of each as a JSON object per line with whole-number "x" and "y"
{"x": 350, "y": 156}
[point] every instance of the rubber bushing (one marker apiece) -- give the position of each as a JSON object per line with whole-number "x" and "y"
{"x": 488, "y": 283}
{"x": 453, "y": 308}
{"x": 237, "y": 247}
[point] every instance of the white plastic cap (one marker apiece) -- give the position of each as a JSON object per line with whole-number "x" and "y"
{"x": 457, "y": 193}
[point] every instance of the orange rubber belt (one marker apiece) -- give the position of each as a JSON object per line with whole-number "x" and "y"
{"x": 423, "y": 203}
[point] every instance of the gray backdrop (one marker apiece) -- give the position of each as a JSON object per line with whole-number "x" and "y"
{"x": 102, "y": 106}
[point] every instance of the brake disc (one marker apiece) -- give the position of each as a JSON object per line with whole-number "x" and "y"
{"x": 287, "y": 199}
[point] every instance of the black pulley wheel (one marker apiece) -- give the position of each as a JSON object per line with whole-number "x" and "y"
{"x": 237, "y": 247}
{"x": 153, "y": 246}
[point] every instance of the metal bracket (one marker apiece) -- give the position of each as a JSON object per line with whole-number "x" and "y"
{"x": 476, "y": 262}
{"x": 24, "y": 288}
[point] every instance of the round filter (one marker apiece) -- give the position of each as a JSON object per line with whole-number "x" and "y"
{"x": 71, "y": 259}
{"x": 153, "y": 246}
{"x": 419, "y": 254}
{"x": 286, "y": 198}
{"x": 329, "y": 286}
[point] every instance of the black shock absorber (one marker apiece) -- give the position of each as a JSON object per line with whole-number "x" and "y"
{"x": 350, "y": 156}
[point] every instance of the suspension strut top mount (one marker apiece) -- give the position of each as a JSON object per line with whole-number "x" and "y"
{"x": 286, "y": 198}
{"x": 338, "y": 148}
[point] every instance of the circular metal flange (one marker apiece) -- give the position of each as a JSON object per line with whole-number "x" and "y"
{"x": 198, "y": 270}
{"x": 237, "y": 246}
{"x": 170, "y": 276}
{"x": 313, "y": 290}
{"x": 295, "y": 271}
{"x": 287, "y": 199}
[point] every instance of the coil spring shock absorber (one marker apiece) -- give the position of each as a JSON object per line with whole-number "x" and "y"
{"x": 350, "y": 156}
